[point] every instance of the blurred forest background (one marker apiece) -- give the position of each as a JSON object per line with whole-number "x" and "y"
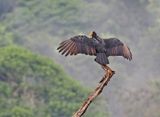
{"x": 36, "y": 81}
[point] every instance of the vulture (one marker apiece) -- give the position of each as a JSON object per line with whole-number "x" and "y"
{"x": 95, "y": 46}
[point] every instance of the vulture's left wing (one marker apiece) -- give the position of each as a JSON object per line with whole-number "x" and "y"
{"x": 115, "y": 47}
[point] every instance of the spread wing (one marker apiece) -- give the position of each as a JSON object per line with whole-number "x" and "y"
{"x": 115, "y": 47}
{"x": 78, "y": 44}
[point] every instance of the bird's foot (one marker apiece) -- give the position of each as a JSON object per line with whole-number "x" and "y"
{"x": 108, "y": 70}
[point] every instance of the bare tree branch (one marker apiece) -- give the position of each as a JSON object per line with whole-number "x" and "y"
{"x": 94, "y": 94}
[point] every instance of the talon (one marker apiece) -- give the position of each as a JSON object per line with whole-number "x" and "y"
{"x": 113, "y": 72}
{"x": 108, "y": 70}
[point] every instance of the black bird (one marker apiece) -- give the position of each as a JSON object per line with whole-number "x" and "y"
{"x": 95, "y": 46}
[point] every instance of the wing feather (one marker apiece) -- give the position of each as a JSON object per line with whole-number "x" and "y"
{"x": 78, "y": 44}
{"x": 72, "y": 49}
{"x": 66, "y": 47}
{"x": 69, "y": 50}
{"x": 114, "y": 47}
{"x": 63, "y": 46}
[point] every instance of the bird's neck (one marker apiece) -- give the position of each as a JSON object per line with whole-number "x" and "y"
{"x": 98, "y": 39}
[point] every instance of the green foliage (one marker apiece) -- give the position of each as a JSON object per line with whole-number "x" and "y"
{"x": 6, "y": 37}
{"x": 38, "y": 14}
{"x": 17, "y": 112}
{"x": 21, "y": 112}
{"x": 32, "y": 85}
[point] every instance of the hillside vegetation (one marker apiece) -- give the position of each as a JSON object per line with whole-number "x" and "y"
{"x": 33, "y": 85}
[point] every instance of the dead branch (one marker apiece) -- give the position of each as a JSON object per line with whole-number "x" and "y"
{"x": 94, "y": 94}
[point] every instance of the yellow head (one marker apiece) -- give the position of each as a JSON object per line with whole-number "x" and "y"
{"x": 92, "y": 34}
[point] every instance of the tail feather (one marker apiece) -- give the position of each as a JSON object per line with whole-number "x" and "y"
{"x": 101, "y": 58}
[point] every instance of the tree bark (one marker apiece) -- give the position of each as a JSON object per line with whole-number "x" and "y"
{"x": 108, "y": 75}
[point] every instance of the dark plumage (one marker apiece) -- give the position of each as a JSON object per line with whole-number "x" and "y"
{"x": 95, "y": 46}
